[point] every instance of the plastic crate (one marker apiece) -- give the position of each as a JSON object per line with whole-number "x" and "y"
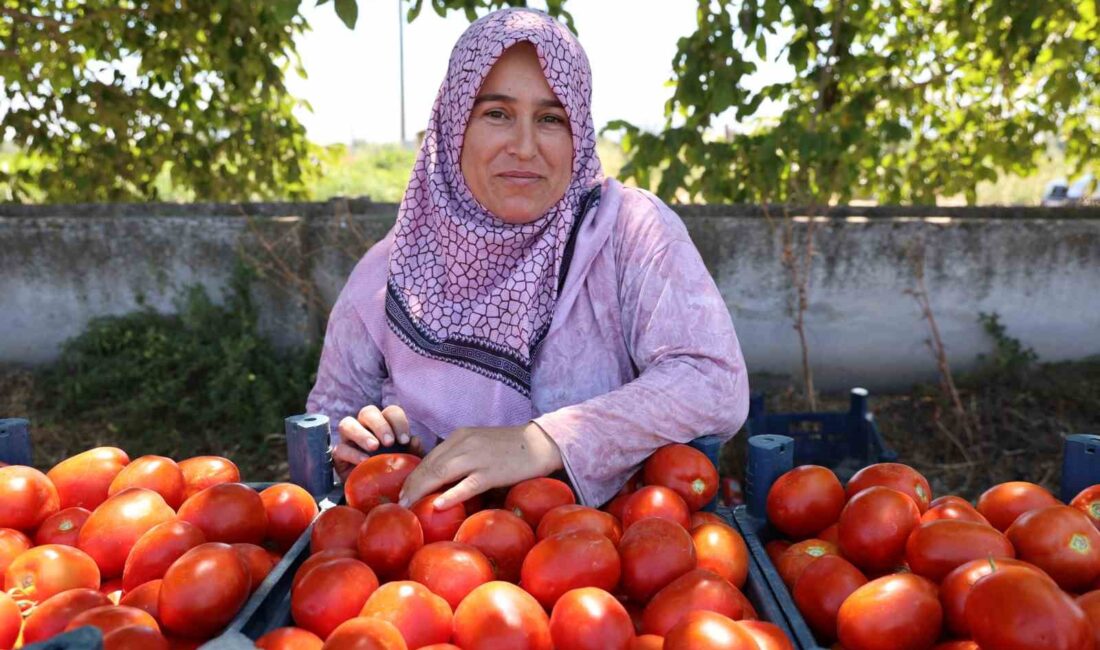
{"x": 15, "y": 441}
{"x": 1080, "y": 464}
{"x": 82, "y": 638}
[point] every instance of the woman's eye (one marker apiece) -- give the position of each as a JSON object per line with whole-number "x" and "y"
{"x": 496, "y": 114}
{"x": 553, "y": 119}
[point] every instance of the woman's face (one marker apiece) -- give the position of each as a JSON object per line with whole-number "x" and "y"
{"x": 517, "y": 156}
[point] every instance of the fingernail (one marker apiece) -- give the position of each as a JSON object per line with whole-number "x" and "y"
{"x": 404, "y": 440}
{"x": 389, "y": 441}
{"x": 438, "y": 503}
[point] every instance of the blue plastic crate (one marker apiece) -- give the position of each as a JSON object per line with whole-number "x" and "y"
{"x": 82, "y": 638}
{"x": 1080, "y": 464}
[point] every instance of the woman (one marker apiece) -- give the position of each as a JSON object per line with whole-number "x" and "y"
{"x": 525, "y": 315}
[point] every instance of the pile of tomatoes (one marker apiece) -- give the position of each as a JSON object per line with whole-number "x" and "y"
{"x": 881, "y": 565}
{"x": 527, "y": 568}
{"x": 156, "y": 554}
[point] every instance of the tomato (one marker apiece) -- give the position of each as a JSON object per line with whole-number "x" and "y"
{"x": 83, "y": 480}
{"x": 135, "y": 636}
{"x": 157, "y": 549}
{"x": 203, "y": 590}
{"x": 531, "y": 499}
{"x": 768, "y": 636}
{"x": 421, "y": 616}
{"x": 703, "y": 630}
{"x": 388, "y": 539}
{"x": 43, "y": 571}
{"x": 776, "y": 548}
{"x": 1060, "y": 540}
{"x": 12, "y": 545}
{"x": 499, "y": 614}
{"x": 830, "y": 534}
{"x": 378, "y": 480}
{"x": 897, "y": 476}
{"x": 1090, "y": 605}
{"x": 337, "y": 527}
{"x": 570, "y": 561}
{"x": 797, "y": 557}
{"x": 1016, "y": 607}
{"x": 1003, "y": 503}
{"x": 62, "y": 527}
{"x": 144, "y": 597}
{"x": 230, "y": 513}
{"x": 109, "y": 618}
{"x": 647, "y": 642}
{"x": 320, "y": 558}
{"x": 615, "y": 506}
{"x": 289, "y": 638}
{"x": 952, "y": 507}
{"x": 441, "y": 646}
{"x": 27, "y": 498}
{"x": 290, "y": 510}
{"x": 685, "y": 470}
{"x": 331, "y": 593}
{"x": 633, "y": 484}
{"x": 11, "y": 620}
{"x": 805, "y": 500}
{"x": 958, "y": 644}
{"x": 695, "y": 590}
{"x": 702, "y": 517}
{"x": 117, "y": 524}
{"x": 259, "y": 561}
{"x": 654, "y": 552}
{"x": 590, "y": 619}
{"x": 874, "y": 527}
{"x": 50, "y": 616}
{"x": 182, "y": 643}
{"x": 450, "y": 569}
{"x": 934, "y": 549}
{"x": 571, "y": 518}
{"x": 894, "y": 612}
{"x": 656, "y": 501}
{"x": 1088, "y": 502}
{"x": 955, "y": 588}
{"x": 157, "y": 473}
{"x": 438, "y": 525}
{"x": 821, "y": 589}
{"x": 361, "y": 633}
{"x": 503, "y": 537}
{"x": 202, "y": 472}
{"x": 112, "y": 589}
{"x": 722, "y": 550}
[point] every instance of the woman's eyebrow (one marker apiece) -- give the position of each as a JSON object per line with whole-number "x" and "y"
{"x": 508, "y": 99}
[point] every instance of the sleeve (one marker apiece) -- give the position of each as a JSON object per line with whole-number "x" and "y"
{"x": 691, "y": 379}
{"x": 351, "y": 370}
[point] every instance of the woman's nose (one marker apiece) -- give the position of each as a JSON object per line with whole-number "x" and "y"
{"x": 523, "y": 144}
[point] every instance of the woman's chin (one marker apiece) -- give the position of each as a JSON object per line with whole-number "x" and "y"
{"x": 516, "y": 213}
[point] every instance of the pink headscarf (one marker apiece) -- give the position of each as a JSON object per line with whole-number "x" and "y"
{"x": 465, "y": 287}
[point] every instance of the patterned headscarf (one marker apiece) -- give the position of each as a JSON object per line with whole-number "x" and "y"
{"x": 465, "y": 287}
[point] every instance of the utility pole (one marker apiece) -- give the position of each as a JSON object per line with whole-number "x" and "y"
{"x": 401, "y": 60}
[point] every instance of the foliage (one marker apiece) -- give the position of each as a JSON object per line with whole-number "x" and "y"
{"x": 1011, "y": 360}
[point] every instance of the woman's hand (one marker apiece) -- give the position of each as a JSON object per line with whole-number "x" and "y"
{"x": 364, "y": 434}
{"x": 480, "y": 459}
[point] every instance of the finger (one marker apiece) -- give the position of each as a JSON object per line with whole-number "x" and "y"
{"x": 416, "y": 447}
{"x": 352, "y": 431}
{"x": 435, "y": 471}
{"x": 467, "y": 488}
{"x": 371, "y": 418}
{"x": 399, "y": 423}
{"x": 345, "y": 453}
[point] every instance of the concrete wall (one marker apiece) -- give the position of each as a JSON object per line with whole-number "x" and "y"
{"x": 64, "y": 265}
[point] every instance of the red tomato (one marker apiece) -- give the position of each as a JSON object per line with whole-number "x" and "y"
{"x": 289, "y": 638}
{"x": 259, "y": 561}
{"x": 135, "y": 636}
{"x": 656, "y": 501}
{"x": 776, "y": 548}
{"x": 615, "y": 506}
{"x": 203, "y": 590}
{"x": 831, "y": 534}
{"x": 955, "y": 588}
{"x": 797, "y": 557}
{"x": 46, "y": 570}
{"x": 388, "y": 539}
{"x": 697, "y": 589}
{"x": 822, "y": 588}
{"x": 767, "y": 635}
{"x": 936, "y": 548}
{"x": 685, "y": 470}
{"x": 654, "y": 552}
{"x": 202, "y": 472}
{"x": 722, "y": 550}
{"x": 157, "y": 473}
{"x": 51, "y": 616}
{"x": 12, "y": 545}
{"x": 320, "y": 558}
{"x": 571, "y": 518}
{"x": 805, "y": 500}
{"x": 28, "y": 497}
{"x": 230, "y": 513}
{"x": 499, "y": 614}
{"x": 647, "y": 642}
{"x": 438, "y": 525}
{"x": 62, "y": 527}
{"x": 112, "y": 588}
{"x": 378, "y": 480}
{"x": 117, "y": 524}
{"x": 11, "y": 620}
{"x": 570, "y": 561}
{"x": 330, "y": 593}
{"x": 290, "y": 509}
{"x": 421, "y": 616}
{"x": 157, "y": 549}
{"x": 703, "y": 630}
{"x": 952, "y": 507}
{"x": 1090, "y": 605}
{"x": 531, "y": 499}
{"x": 1003, "y": 503}
{"x": 899, "y": 477}
{"x": 874, "y": 527}
{"x": 702, "y": 517}
{"x": 1088, "y": 502}
{"x": 634, "y": 483}
{"x": 1016, "y": 607}
{"x": 441, "y": 646}
{"x": 109, "y": 618}
{"x": 1060, "y": 540}
{"x": 450, "y": 569}
{"x": 503, "y": 537}
{"x": 958, "y": 644}
{"x": 144, "y": 597}
{"x": 894, "y": 612}
{"x": 361, "y": 633}
{"x": 83, "y": 480}
{"x": 337, "y": 527}
{"x": 590, "y": 619}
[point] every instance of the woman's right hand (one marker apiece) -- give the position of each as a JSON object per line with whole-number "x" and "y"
{"x": 362, "y": 435}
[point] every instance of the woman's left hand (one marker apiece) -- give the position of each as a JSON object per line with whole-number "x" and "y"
{"x": 480, "y": 459}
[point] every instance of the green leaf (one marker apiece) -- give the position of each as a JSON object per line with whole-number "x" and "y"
{"x": 348, "y": 11}
{"x": 285, "y": 10}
